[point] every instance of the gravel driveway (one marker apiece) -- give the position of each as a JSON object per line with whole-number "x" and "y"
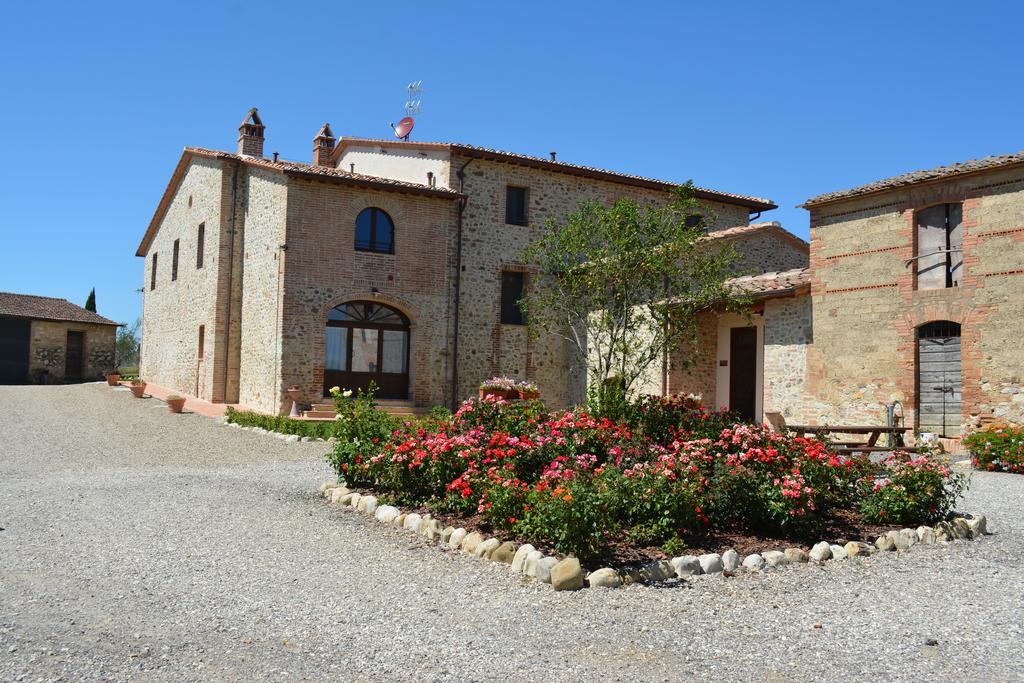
{"x": 146, "y": 546}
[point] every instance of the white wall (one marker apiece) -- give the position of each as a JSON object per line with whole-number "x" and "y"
{"x": 726, "y": 322}
{"x": 409, "y": 165}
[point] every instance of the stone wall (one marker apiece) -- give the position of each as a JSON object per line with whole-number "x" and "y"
{"x": 788, "y": 333}
{"x": 259, "y": 341}
{"x": 867, "y": 308}
{"x": 767, "y": 252}
{"x": 173, "y": 311}
{"x": 48, "y": 349}
{"x": 486, "y": 347}
{"x": 322, "y": 269}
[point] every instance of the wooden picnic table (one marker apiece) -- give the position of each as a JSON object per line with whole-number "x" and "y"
{"x": 874, "y": 431}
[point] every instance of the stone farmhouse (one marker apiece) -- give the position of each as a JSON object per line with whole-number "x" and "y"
{"x": 397, "y": 262}
{"x": 46, "y": 340}
{"x": 383, "y": 260}
{"x": 912, "y": 294}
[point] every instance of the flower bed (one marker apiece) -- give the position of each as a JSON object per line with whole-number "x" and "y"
{"x": 997, "y": 449}
{"x": 671, "y": 474}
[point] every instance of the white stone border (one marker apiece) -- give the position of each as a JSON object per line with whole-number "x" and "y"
{"x": 567, "y": 574}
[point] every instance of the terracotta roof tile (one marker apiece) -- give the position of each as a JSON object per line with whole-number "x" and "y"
{"x": 962, "y": 168}
{"x": 774, "y": 283}
{"x": 47, "y": 308}
{"x": 757, "y": 203}
{"x": 308, "y": 169}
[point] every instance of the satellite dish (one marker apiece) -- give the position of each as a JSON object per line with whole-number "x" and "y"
{"x": 403, "y": 128}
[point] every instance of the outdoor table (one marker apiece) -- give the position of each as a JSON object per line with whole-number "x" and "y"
{"x": 874, "y": 431}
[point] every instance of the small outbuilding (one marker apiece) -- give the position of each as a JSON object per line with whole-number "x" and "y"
{"x": 44, "y": 340}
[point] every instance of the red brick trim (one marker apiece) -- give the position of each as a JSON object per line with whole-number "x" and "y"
{"x": 879, "y": 250}
{"x": 1019, "y": 271}
{"x": 861, "y": 288}
{"x": 1000, "y": 233}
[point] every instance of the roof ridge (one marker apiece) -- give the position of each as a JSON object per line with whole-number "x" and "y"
{"x": 766, "y": 204}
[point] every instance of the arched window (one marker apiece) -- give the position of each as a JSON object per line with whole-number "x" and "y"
{"x": 367, "y": 342}
{"x": 375, "y": 231}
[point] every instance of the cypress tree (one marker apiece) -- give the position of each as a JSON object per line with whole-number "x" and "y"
{"x": 90, "y": 303}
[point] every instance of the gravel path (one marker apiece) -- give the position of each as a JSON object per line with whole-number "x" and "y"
{"x": 146, "y": 546}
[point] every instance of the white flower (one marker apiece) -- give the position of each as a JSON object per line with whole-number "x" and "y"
{"x": 346, "y": 393}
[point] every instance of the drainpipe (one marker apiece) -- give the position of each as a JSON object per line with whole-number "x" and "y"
{"x": 460, "y": 174}
{"x": 231, "y": 265}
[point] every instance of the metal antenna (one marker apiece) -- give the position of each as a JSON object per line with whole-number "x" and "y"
{"x": 413, "y": 105}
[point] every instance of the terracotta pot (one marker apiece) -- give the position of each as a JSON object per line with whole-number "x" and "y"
{"x": 528, "y": 395}
{"x": 505, "y": 394}
{"x": 113, "y": 379}
{"x": 175, "y": 405}
{"x": 138, "y": 389}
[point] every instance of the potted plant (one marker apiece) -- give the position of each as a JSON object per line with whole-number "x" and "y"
{"x": 175, "y": 403}
{"x": 113, "y": 377}
{"x": 138, "y": 388}
{"x": 294, "y": 393}
{"x": 528, "y": 390}
{"x": 500, "y": 387}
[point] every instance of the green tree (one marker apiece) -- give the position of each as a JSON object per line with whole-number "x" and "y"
{"x": 90, "y": 303}
{"x": 127, "y": 345}
{"x": 624, "y": 285}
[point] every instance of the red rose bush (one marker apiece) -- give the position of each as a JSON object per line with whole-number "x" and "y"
{"x": 579, "y": 482}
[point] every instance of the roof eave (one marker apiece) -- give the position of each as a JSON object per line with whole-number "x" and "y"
{"x": 812, "y": 203}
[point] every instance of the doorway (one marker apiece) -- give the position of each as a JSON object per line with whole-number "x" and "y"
{"x": 743, "y": 371}
{"x": 739, "y": 376}
{"x": 939, "y": 378}
{"x": 73, "y": 356}
{"x": 367, "y": 342}
{"x": 15, "y": 335}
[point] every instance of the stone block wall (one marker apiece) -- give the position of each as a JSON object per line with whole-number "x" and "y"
{"x": 486, "y": 347}
{"x": 173, "y": 312}
{"x": 48, "y": 349}
{"x": 867, "y": 307}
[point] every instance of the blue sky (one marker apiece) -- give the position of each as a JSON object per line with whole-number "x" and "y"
{"x": 781, "y": 100}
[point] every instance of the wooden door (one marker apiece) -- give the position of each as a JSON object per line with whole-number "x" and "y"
{"x": 73, "y": 360}
{"x": 939, "y": 379}
{"x": 14, "y": 350}
{"x": 743, "y": 371}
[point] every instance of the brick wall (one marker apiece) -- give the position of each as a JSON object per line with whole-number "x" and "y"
{"x": 867, "y": 308}
{"x": 322, "y": 269}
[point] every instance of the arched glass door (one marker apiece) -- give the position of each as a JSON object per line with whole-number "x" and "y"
{"x": 367, "y": 342}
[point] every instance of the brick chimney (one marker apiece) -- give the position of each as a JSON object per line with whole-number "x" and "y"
{"x": 323, "y": 147}
{"x": 250, "y": 135}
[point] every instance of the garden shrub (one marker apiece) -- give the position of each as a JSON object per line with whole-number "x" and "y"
{"x": 579, "y": 482}
{"x": 916, "y": 490}
{"x": 997, "y": 448}
{"x": 282, "y": 424}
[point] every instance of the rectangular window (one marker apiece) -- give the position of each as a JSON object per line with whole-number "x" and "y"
{"x": 512, "y": 284}
{"x": 152, "y": 273}
{"x": 515, "y": 205}
{"x": 940, "y": 246}
{"x": 202, "y": 341}
{"x": 200, "y": 244}
{"x": 174, "y": 260}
